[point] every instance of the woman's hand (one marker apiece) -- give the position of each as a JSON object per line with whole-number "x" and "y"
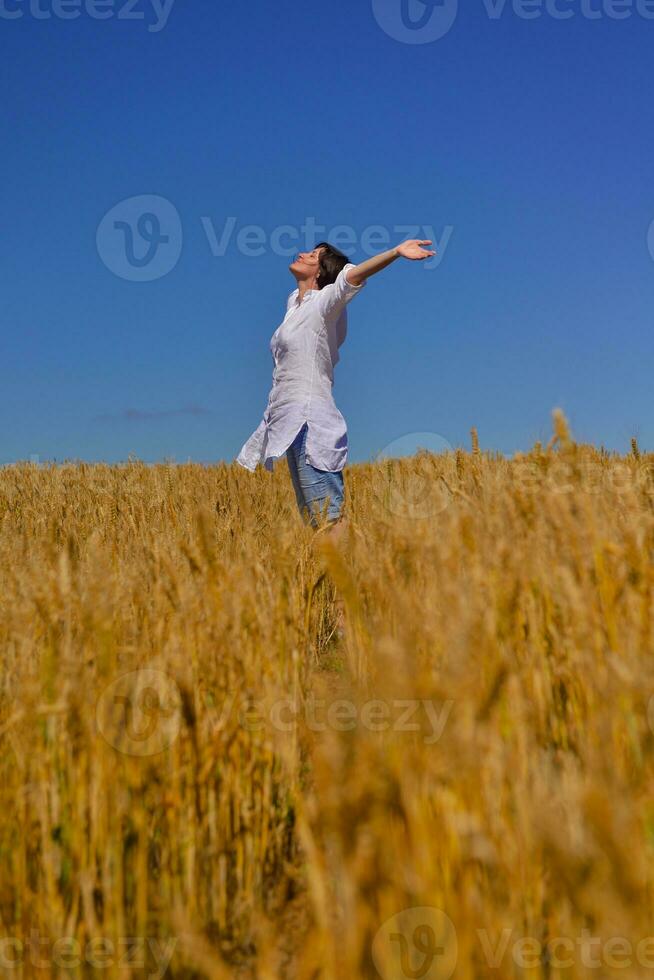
{"x": 412, "y": 249}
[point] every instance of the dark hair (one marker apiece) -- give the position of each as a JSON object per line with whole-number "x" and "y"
{"x": 332, "y": 261}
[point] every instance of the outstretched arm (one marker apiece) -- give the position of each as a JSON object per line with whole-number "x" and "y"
{"x": 411, "y": 249}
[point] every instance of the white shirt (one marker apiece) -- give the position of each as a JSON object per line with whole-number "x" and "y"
{"x": 305, "y": 351}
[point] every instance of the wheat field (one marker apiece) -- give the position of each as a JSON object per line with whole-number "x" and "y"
{"x": 201, "y": 776}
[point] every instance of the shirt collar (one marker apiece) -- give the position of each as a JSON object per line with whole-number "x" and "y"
{"x": 307, "y": 295}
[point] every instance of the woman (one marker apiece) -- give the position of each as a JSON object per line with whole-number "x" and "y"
{"x": 301, "y": 419}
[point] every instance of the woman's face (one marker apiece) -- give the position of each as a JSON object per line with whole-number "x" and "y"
{"x": 306, "y": 264}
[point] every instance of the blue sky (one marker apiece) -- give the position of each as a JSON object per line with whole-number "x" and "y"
{"x": 524, "y": 142}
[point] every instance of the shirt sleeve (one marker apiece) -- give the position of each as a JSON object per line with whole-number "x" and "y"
{"x": 333, "y": 299}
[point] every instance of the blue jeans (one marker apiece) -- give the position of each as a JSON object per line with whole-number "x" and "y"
{"x": 314, "y": 489}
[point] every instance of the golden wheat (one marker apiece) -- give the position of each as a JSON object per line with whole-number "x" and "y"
{"x": 200, "y": 778}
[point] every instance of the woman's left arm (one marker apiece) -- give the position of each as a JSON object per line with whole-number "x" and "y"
{"x": 411, "y": 249}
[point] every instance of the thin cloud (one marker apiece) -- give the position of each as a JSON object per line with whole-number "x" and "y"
{"x": 138, "y": 415}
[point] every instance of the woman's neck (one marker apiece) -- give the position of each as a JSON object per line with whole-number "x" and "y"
{"x": 305, "y": 286}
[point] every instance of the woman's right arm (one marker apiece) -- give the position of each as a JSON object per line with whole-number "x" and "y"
{"x": 411, "y": 249}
